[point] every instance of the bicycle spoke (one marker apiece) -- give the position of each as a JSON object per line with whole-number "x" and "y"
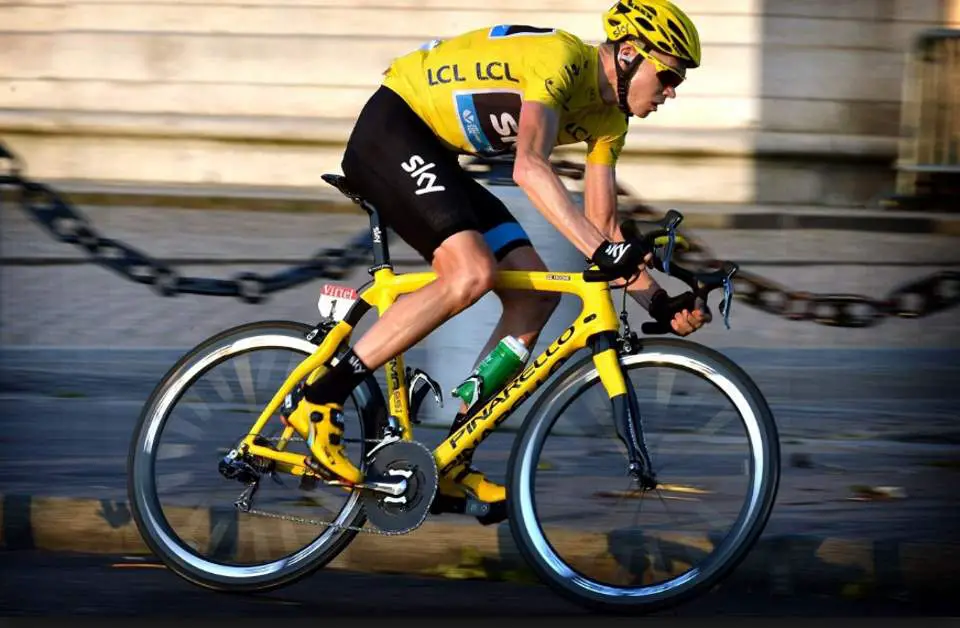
{"x": 200, "y": 409}
{"x": 686, "y": 547}
{"x": 174, "y": 480}
{"x": 719, "y": 420}
{"x": 244, "y": 373}
{"x": 265, "y": 377}
{"x": 169, "y": 451}
{"x": 665, "y": 381}
{"x": 220, "y": 385}
{"x": 186, "y": 428}
{"x": 708, "y": 514}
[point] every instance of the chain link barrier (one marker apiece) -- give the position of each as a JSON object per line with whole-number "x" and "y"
{"x": 915, "y": 299}
{"x": 67, "y": 224}
{"x": 923, "y": 297}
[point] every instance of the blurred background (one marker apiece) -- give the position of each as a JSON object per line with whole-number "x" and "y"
{"x": 796, "y": 103}
{"x": 818, "y": 146}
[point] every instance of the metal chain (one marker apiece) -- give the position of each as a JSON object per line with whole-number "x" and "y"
{"x": 919, "y": 298}
{"x": 68, "y": 225}
{"x": 323, "y": 524}
{"x": 317, "y": 522}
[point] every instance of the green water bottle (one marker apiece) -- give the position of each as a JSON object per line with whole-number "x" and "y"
{"x": 493, "y": 372}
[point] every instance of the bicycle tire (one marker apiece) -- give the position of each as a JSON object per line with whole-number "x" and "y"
{"x": 144, "y": 503}
{"x": 529, "y": 536}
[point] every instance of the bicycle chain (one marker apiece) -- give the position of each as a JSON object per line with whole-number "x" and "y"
{"x": 316, "y": 522}
{"x": 914, "y": 299}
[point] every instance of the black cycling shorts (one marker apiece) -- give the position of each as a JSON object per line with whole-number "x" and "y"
{"x": 394, "y": 160}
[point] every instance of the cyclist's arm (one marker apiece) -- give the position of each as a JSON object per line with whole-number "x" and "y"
{"x": 533, "y": 174}
{"x": 600, "y": 204}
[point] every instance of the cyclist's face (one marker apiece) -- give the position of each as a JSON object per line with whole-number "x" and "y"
{"x": 653, "y": 82}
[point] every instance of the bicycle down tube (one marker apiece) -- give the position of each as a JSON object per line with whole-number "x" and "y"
{"x": 595, "y": 327}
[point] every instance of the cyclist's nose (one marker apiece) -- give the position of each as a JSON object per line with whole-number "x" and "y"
{"x": 670, "y": 92}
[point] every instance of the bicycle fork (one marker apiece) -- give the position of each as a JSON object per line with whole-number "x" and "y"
{"x": 626, "y": 409}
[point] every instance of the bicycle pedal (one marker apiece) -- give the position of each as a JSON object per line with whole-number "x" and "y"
{"x": 487, "y": 513}
{"x": 445, "y": 504}
{"x": 477, "y": 508}
{"x": 308, "y": 482}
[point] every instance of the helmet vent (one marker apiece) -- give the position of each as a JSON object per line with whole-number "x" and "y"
{"x": 681, "y": 49}
{"x": 677, "y": 31}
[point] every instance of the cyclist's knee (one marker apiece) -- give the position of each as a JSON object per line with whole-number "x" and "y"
{"x": 466, "y": 266}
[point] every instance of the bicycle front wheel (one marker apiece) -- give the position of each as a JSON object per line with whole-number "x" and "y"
{"x": 185, "y": 508}
{"x": 591, "y": 533}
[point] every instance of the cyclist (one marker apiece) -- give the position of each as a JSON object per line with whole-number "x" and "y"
{"x": 516, "y": 89}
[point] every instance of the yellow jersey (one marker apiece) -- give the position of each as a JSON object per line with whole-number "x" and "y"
{"x": 468, "y": 89}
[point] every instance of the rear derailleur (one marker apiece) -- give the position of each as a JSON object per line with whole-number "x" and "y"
{"x": 241, "y": 466}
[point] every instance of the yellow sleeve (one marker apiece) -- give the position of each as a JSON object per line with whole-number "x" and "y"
{"x": 605, "y": 150}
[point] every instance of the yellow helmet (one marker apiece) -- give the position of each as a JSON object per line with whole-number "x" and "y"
{"x": 659, "y": 22}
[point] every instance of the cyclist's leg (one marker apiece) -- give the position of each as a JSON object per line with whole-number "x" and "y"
{"x": 465, "y": 270}
{"x": 523, "y": 316}
{"x": 524, "y": 312}
{"x": 396, "y": 162}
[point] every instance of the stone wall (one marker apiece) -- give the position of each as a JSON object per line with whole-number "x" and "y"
{"x": 797, "y": 101}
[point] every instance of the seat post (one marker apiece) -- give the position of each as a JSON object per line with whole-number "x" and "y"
{"x": 378, "y": 235}
{"x": 381, "y": 248}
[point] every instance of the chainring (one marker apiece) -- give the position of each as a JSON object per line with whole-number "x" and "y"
{"x": 402, "y": 513}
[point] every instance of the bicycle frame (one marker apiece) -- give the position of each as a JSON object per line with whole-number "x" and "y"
{"x": 596, "y": 326}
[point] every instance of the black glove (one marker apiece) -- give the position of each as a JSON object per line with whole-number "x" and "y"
{"x": 664, "y": 307}
{"x": 621, "y": 259}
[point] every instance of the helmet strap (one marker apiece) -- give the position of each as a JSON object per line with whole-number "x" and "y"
{"x": 623, "y": 77}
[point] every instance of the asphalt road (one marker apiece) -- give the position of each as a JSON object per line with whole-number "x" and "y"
{"x": 105, "y": 585}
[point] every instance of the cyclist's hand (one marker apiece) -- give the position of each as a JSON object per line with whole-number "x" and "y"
{"x": 674, "y": 314}
{"x": 622, "y": 259}
{"x": 620, "y": 282}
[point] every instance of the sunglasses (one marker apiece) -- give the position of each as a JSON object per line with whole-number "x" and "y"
{"x": 668, "y": 76}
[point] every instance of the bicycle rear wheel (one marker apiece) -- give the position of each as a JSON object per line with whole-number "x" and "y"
{"x": 185, "y": 508}
{"x": 585, "y": 527}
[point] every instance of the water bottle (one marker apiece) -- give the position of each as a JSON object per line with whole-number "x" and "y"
{"x": 493, "y": 372}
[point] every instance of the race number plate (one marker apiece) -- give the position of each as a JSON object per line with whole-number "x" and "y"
{"x": 335, "y": 301}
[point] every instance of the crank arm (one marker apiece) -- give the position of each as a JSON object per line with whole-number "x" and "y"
{"x": 390, "y": 488}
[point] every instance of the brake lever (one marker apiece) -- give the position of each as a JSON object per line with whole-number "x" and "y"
{"x": 668, "y": 253}
{"x": 667, "y": 226}
{"x": 727, "y": 302}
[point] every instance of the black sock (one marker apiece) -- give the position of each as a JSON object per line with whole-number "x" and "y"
{"x": 337, "y": 384}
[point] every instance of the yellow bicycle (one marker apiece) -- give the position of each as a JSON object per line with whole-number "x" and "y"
{"x": 685, "y": 428}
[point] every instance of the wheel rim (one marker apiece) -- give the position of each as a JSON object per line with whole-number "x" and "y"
{"x": 552, "y": 410}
